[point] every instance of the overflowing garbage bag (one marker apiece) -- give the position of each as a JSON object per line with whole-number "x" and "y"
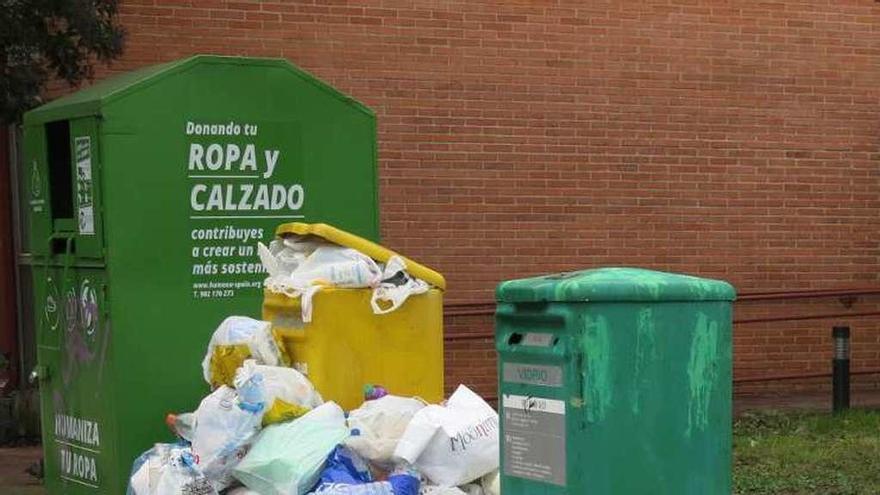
{"x": 237, "y": 339}
{"x": 288, "y": 393}
{"x": 326, "y": 266}
{"x": 225, "y": 425}
{"x": 378, "y": 425}
{"x": 300, "y": 266}
{"x": 265, "y": 428}
{"x": 168, "y": 469}
{"x": 343, "y": 324}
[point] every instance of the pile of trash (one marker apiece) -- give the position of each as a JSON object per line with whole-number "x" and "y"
{"x": 269, "y": 432}
{"x": 265, "y": 429}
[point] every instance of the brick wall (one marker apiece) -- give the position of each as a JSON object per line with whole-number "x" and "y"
{"x": 727, "y": 139}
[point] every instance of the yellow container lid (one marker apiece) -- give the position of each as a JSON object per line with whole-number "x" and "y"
{"x": 369, "y": 248}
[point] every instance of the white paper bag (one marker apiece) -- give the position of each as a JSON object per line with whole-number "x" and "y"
{"x": 455, "y": 444}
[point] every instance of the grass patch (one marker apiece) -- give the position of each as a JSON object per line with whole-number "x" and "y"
{"x": 807, "y": 453}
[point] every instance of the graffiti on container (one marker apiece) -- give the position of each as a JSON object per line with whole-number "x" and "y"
{"x": 88, "y": 308}
{"x": 83, "y": 331}
{"x": 70, "y": 308}
{"x": 702, "y": 372}
{"x": 51, "y": 310}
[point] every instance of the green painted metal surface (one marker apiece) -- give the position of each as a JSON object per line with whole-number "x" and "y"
{"x": 615, "y": 381}
{"x": 614, "y": 284}
{"x": 173, "y": 175}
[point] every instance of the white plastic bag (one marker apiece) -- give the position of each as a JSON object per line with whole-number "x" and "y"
{"x": 147, "y": 468}
{"x": 283, "y": 256}
{"x": 396, "y": 287}
{"x": 455, "y": 444}
{"x": 288, "y": 393}
{"x": 226, "y": 424}
{"x": 327, "y": 266}
{"x": 182, "y": 424}
{"x": 182, "y": 477}
{"x": 168, "y": 469}
{"x": 270, "y": 261}
{"x": 380, "y": 424}
{"x": 287, "y": 458}
{"x": 337, "y": 266}
{"x": 236, "y": 339}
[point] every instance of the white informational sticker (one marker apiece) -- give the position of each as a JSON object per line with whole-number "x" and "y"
{"x": 84, "y": 189}
{"x": 534, "y": 438}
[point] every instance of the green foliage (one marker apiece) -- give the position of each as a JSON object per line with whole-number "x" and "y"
{"x": 794, "y": 454}
{"x": 41, "y": 39}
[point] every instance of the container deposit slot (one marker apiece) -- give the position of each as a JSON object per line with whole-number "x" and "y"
{"x": 60, "y": 181}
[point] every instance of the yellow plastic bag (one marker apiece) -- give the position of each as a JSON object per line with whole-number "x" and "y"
{"x": 236, "y": 339}
{"x": 281, "y": 411}
{"x": 225, "y": 359}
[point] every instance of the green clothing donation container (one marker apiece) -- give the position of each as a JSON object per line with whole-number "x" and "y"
{"x": 146, "y": 195}
{"x": 615, "y": 381}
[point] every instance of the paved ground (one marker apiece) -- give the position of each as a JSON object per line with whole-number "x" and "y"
{"x": 13, "y": 478}
{"x": 15, "y": 481}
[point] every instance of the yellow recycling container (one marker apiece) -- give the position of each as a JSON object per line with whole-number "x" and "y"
{"x": 346, "y": 346}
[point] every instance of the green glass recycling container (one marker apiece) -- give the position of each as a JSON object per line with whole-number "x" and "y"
{"x": 615, "y": 381}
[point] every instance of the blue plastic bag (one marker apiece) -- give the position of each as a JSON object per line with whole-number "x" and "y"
{"x": 343, "y": 467}
{"x": 346, "y": 473}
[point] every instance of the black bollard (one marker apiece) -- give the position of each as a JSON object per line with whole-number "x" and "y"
{"x": 840, "y": 384}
